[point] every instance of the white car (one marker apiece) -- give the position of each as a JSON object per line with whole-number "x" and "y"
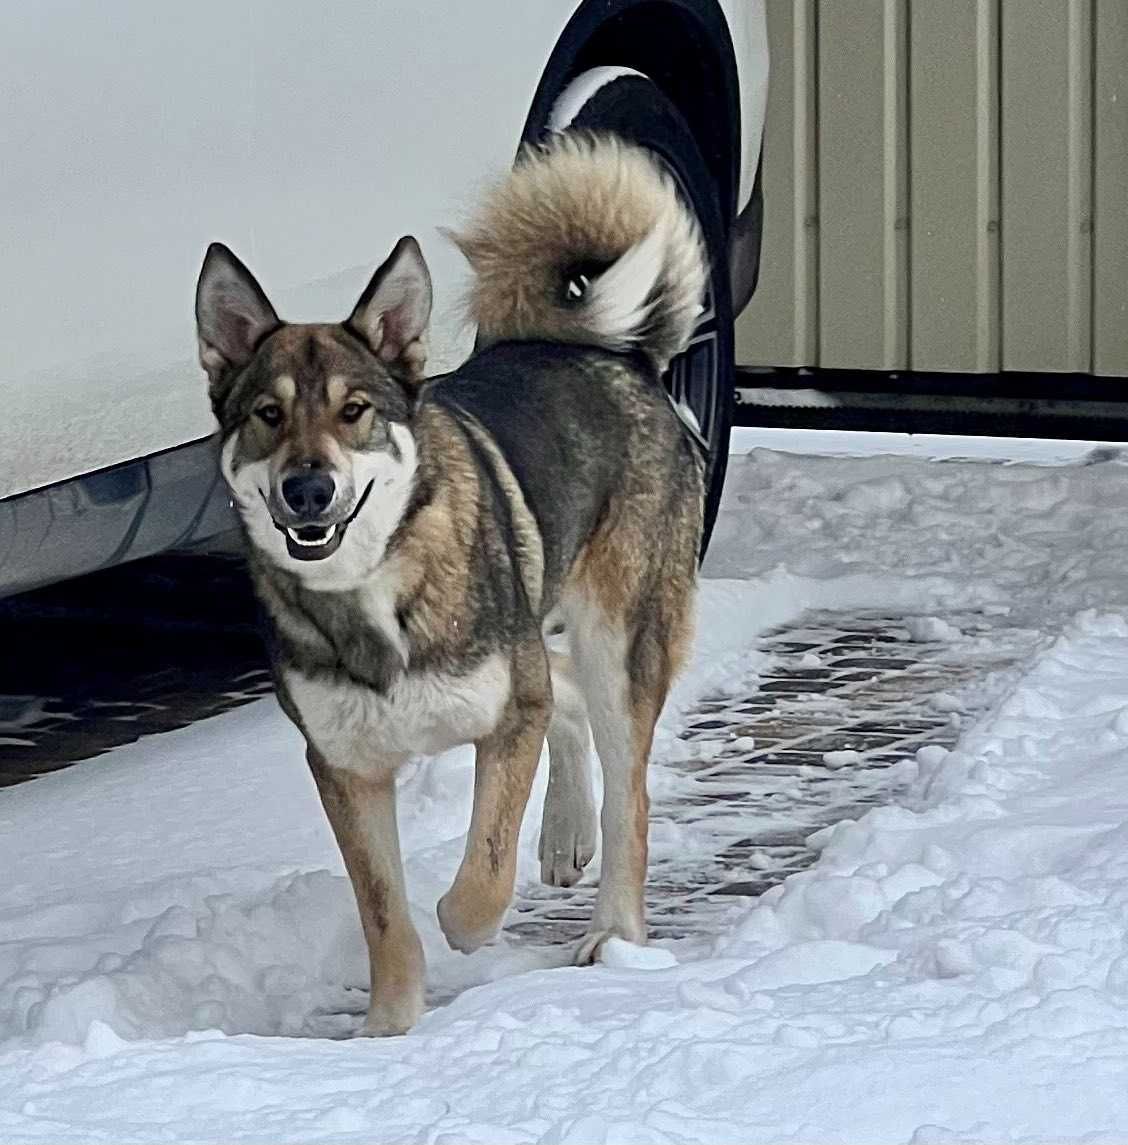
{"x": 308, "y": 138}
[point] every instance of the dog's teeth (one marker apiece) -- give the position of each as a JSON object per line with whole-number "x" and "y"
{"x": 330, "y": 533}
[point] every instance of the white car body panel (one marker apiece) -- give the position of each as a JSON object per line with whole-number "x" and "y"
{"x": 306, "y": 139}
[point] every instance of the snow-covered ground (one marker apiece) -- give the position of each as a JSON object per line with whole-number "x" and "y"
{"x": 179, "y": 953}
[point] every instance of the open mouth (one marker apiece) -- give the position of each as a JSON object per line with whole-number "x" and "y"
{"x": 316, "y": 542}
{"x": 317, "y": 539}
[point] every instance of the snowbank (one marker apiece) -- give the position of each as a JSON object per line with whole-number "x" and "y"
{"x": 1038, "y": 540}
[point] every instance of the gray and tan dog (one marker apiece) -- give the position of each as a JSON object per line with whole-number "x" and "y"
{"x": 412, "y": 542}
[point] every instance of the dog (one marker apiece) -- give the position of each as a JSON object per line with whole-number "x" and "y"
{"x": 413, "y": 540}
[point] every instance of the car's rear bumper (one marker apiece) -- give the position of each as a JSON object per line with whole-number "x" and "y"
{"x": 170, "y": 499}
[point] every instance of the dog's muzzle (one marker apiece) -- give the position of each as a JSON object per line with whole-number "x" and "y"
{"x": 315, "y": 542}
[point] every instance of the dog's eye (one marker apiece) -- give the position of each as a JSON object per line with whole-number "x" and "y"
{"x": 353, "y": 411}
{"x": 270, "y": 415}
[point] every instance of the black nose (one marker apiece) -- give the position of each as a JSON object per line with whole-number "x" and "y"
{"x": 308, "y": 494}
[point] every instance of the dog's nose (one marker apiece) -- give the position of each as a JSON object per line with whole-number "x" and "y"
{"x": 308, "y": 494}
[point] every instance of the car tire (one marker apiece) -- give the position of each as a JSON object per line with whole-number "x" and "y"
{"x": 631, "y": 106}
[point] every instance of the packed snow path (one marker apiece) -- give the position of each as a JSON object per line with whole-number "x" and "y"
{"x": 839, "y": 700}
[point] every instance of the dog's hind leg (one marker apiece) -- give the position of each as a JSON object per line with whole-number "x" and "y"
{"x": 626, "y": 669}
{"x": 567, "y": 840}
{"x": 361, "y": 809}
{"x": 600, "y": 648}
{"x": 471, "y": 912}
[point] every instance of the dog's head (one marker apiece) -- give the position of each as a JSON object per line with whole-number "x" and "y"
{"x": 315, "y": 419}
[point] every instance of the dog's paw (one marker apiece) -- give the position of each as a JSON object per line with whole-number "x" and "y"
{"x": 592, "y": 943}
{"x": 567, "y": 839}
{"x": 392, "y": 1016}
{"x": 469, "y": 921}
{"x": 566, "y": 847}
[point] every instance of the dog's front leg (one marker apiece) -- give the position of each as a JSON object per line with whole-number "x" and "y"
{"x": 471, "y": 912}
{"x": 362, "y": 812}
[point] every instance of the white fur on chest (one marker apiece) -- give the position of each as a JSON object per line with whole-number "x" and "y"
{"x": 423, "y": 713}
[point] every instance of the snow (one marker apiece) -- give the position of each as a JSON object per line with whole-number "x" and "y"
{"x": 180, "y": 958}
{"x": 844, "y": 758}
{"x": 849, "y": 443}
{"x": 629, "y": 956}
{"x": 1024, "y": 539}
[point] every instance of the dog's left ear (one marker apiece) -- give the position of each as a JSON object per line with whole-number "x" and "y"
{"x": 394, "y": 310}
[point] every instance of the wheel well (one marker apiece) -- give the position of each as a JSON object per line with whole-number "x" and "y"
{"x": 683, "y": 46}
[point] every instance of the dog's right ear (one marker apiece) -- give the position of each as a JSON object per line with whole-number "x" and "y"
{"x": 233, "y": 315}
{"x": 395, "y": 308}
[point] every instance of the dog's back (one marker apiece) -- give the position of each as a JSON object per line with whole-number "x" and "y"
{"x": 571, "y": 423}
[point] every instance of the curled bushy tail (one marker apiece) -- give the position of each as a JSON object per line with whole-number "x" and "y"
{"x": 588, "y": 241}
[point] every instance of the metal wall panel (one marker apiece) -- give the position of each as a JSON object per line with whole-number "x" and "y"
{"x": 1110, "y": 191}
{"x": 1001, "y": 127}
{"x": 953, "y": 132}
{"x": 1047, "y": 184}
{"x": 780, "y": 325}
{"x": 863, "y": 190}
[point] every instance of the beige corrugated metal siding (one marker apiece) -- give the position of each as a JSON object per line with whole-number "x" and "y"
{"x": 945, "y": 187}
{"x": 1110, "y": 188}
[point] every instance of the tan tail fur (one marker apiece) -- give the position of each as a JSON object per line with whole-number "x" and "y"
{"x": 586, "y": 241}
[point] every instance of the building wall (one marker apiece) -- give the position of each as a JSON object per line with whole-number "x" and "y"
{"x": 945, "y": 187}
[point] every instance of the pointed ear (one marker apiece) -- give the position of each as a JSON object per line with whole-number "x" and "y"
{"x": 233, "y": 315}
{"x": 394, "y": 310}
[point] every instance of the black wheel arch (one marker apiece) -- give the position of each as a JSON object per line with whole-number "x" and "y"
{"x": 633, "y": 107}
{"x": 683, "y": 47}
